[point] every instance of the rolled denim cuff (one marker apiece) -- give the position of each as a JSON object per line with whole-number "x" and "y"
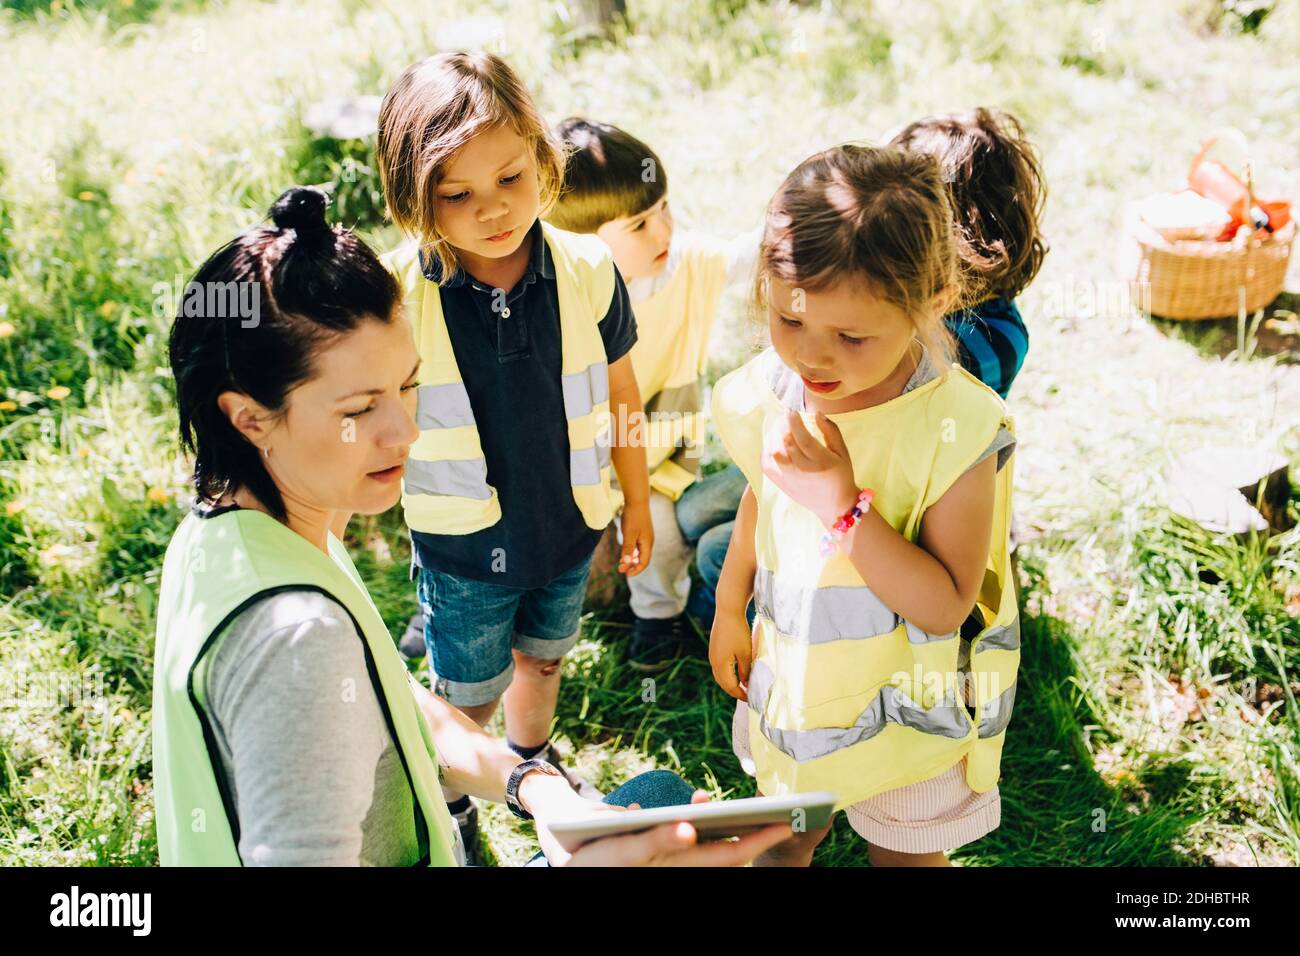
{"x": 544, "y": 649}
{"x": 473, "y": 693}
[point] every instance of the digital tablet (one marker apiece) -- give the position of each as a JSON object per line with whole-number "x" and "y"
{"x": 717, "y": 820}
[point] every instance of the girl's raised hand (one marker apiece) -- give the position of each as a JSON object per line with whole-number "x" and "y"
{"x": 817, "y": 476}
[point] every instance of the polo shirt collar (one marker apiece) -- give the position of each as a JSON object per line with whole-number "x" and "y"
{"x": 540, "y": 262}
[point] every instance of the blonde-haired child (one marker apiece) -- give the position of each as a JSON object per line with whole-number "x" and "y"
{"x": 524, "y": 332}
{"x": 873, "y": 536}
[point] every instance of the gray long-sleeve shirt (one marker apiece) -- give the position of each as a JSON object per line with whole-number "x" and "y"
{"x": 314, "y": 773}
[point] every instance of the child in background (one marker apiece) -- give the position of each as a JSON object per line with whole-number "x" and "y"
{"x": 523, "y": 332}
{"x": 996, "y": 188}
{"x": 873, "y": 536}
{"x": 995, "y": 185}
{"x": 616, "y": 187}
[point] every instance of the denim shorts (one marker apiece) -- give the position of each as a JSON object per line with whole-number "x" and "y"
{"x": 471, "y": 627}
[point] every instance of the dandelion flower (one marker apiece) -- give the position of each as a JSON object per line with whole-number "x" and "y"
{"x": 59, "y": 392}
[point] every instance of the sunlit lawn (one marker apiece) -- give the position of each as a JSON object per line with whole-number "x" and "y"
{"x": 1157, "y": 661}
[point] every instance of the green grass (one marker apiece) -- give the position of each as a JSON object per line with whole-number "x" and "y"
{"x": 1157, "y": 720}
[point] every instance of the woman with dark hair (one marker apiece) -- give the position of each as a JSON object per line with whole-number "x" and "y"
{"x": 286, "y": 727}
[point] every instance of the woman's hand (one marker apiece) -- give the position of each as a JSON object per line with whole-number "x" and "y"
{"x": 671, "y": 844}
{"x": 819, "y": 477}
{"x": 731, "y": 650}
{"x": 551, "y": 798}
{"x": 638, "y": 538}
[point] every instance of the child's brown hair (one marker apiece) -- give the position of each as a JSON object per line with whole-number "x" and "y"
{"x": 436, "y": 107}
{"x": 997, "y": 191}
{"x": 609, "y": 174}
{"x": 877, "y": 214}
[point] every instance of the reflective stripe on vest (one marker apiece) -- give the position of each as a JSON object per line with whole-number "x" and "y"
{"x": 464, "y": 479}
{"x": 445, "y": 488}
{"x": 844, "y": 694}
{"x": 948, "y": 718}
{"x": 586, "y": 392}
{"x": 443, "y": 406}
{"x": 997, "y": 713}
{"x": 820, "y": 615}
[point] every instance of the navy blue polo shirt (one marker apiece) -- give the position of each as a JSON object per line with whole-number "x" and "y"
{"x": 510, "y": 361}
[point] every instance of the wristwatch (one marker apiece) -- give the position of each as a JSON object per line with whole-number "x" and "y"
{"x": 517, "y": 775}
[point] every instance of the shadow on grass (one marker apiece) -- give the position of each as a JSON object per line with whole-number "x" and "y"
{"x": 1277, "y": 334}
{"x": 1056, "y": 809}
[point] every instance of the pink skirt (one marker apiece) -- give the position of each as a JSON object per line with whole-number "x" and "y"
{"x": 931, "y": 816}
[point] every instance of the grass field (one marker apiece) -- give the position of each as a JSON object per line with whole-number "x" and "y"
{"x": 1157, "y": 720}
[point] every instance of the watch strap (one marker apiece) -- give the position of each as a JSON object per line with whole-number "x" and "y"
{"x": 516, "y": 777}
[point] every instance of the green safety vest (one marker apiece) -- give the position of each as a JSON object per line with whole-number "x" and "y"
{"x": 445, "y": 488}
{"x": 215, "y": 568}
{"x": 844, "y": 694}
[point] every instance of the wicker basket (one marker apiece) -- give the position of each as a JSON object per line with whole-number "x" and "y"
{"x": 1200, "y": 279}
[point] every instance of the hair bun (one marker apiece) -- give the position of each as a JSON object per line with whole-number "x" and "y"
{"x": 301, "y": 208}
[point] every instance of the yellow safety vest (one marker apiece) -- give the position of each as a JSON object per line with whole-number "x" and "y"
{"x": 670, "y": 356}
{"x": 445, "y": 488}
{"x": 844, "y": 694}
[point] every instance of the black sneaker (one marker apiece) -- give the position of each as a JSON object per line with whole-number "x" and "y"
{"x": 412, "y": 642}
{"x": 657, "y": 642}
{"x": 552, "y": 756}
{"x": 467, "y": 823}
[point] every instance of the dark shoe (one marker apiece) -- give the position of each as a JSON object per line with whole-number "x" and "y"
{"x": 695, "y": 635}
{"x": 657, "y": 642}
{"x": 583, "y": 788}
{"x": 467, "y": 822}
{"x": 412, "y": 642}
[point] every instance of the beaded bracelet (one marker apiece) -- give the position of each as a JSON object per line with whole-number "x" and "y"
{"x": 845, "y": 522}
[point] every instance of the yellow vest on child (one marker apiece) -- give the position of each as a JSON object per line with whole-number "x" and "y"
{"x": 844, "y": 694}
{"x": 445, "y": 489}
{"x": 670, "y": 356}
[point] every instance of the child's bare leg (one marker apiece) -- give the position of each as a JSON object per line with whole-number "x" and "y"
{"x": 530, "y": 700}
{"x": 481, "y": 714}
{"x": 880, "y": 856}
{"x": 796, "y": 851}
